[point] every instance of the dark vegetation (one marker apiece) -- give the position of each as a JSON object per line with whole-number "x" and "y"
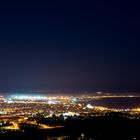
{"x": 112, "y": 126}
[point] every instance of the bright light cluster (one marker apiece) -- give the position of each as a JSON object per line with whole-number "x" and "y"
{"x": 27, "y": 97}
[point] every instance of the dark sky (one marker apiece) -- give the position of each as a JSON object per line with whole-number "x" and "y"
{"x": 70, "y": 45}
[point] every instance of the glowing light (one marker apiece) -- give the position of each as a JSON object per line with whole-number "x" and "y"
{"x": 89, "y": 106}
{"x": 70, "y": 114}
{"x": 27, "y": 97}
{"x": 51, "y": 102}
{"x": 136, "y": 109}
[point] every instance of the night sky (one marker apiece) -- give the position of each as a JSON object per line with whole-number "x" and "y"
{"x": 70, "y": 45}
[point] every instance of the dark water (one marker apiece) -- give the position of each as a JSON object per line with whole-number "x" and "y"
{"x": 121, "y": 103}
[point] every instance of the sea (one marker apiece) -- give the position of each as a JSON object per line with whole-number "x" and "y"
{"x": 118, "y": 103}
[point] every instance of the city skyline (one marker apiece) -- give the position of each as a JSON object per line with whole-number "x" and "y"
{"x": 69, "y": 70}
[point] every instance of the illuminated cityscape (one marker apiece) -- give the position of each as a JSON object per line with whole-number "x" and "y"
{"x": 52, "y": 112}
{"x": 69, "y": 70}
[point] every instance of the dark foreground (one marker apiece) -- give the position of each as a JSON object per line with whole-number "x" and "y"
{"x": 112, "y": 127}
